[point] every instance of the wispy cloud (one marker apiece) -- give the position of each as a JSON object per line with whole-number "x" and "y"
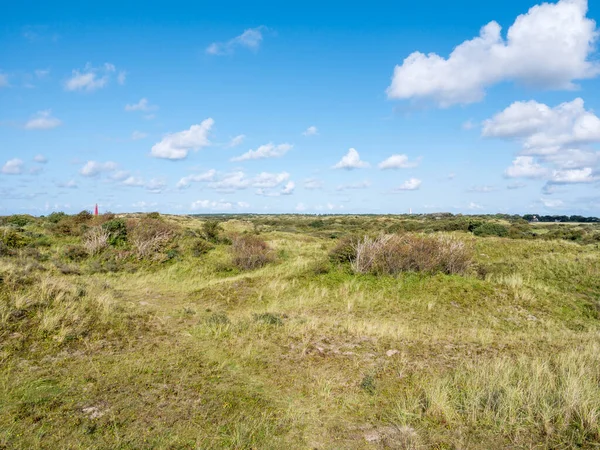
{"x": 249, "y": 39}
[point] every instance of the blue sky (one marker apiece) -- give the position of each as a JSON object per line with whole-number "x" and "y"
{"x": 467, "y": 106}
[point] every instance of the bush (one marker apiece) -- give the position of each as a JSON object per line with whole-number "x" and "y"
{"x": 392, "y": 254}
{"x": 345, "y": 250}
{"x": 201, "y": 247}
{"x": 150, "y": 236}
{"x": 95, "y": 240}
{"x": 117, "y": 230}
{"x": 56, "y": 217}
{"x": 18, "y": 220}
{"x": 250, "y": 252}
{"x": 75, "y": 253}
{"x": 14, "y": 239}
{"x": 211, "y": 229}
{"x": 491, "y": 229}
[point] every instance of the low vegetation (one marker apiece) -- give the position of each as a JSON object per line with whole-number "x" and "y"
{"x": 357, "y": 332}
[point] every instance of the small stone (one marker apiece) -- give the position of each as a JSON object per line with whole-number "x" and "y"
{"x": 392, "y": 352}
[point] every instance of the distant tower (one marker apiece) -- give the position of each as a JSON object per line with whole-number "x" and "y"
{"x": 96, "y": 210}
{"x": 410, "y": 211}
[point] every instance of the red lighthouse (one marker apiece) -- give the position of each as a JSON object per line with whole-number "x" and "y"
{"x": 96, "y": 210}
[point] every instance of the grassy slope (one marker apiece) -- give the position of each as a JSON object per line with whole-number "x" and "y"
{"x": 344, "y": 361}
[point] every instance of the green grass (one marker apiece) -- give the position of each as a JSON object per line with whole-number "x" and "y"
{"x": 190, "y": 352}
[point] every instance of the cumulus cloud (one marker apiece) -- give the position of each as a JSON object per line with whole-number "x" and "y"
{"x": 288, "y": 189}
{"x": 155, "y": 185}
{"x": 133, "y": 181}
{"x": 121, "y": 77}
{"x": 95, "y": 168}
{"x": 195, "y": 178}
{"x": 585, "y": 175}
{"x": 549, "y": 46}
{"x": 516, "y": 185}
{"x": 410, "y": 185}
{"x": 90, "y": 78}
{"x": 250, "y": 39}
{"x": 552, "y": 203}
{"x": 238, "y": 180}
{"x": 177, "y": 145}
{"x": 42, "y": 120}
{"x": 311, "y": 131}
{"x": 473, "y": 205}
{"x": 220, "y": 205}
{"x": 300, "y": 207}
{"x": 142, "y": 105}
{"x": 41, "y": 159}
{"x": 525, "y": 167}
{"x": 3, "y": 80}
{"x": 397, "y": 162}
{"x": 351, "y": 160}
{"x": 269, "y": 150}
{"x": 13, "y": 167}
{"x": 555, "y": 141}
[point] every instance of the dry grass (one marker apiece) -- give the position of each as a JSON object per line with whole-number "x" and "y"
{"x": 250, "y": 252}
{"x": 392, "y": 254}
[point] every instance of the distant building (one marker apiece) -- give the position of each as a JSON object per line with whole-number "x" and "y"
{"x": 535, "y": 219}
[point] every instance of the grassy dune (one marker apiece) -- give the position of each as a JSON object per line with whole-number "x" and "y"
{"x": 187, "y": 351}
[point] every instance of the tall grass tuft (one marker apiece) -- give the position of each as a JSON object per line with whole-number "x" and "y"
{"x": 250, "y": 252}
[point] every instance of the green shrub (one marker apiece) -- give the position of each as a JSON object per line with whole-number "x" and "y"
{"x": 211, "y": 230}
{"x": 75, "y": 253}
{"x": 56, "y": 217}
{"x": 345, "y": 250}
{"x": 268, "y": 319}
{"x": 14, "y": 239}
{"x": 250, "y": 252}
{"x": 201, "y": 247}
{"x": 117, "y": 230}
{"x": 490, "y": 229}
{"x": 153, "y": 215}
{"x": 18, "y": 220}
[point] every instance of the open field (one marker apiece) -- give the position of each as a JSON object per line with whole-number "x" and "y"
{"x": 150, "y": 331}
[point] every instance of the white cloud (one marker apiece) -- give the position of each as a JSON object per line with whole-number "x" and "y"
{"x": 288, "y": 189}
{"x": 94, "y": 168}
{"x": 71, "y": 184}
{"x": 552, "y": 203}
{"x": 156, "y": 185}
{"x": 142, "y": 105}
{"x": 269, "y": 150}
{"x": 41, "y": 73}
{"x": 517, "y": 185}
{"x": 178, "y": 145}
{"x": 351, "y": 160}
{"x": 547, "y": 47}
{"x": 525, "y": 167}
{"x": 13, "y": 167}
{"x": 250, "y": 39}
{"x": 481, "y": 189}
{"x": 211, "y": 204}
{"x": 584, "y": 175}
{"x": 236, "y": 141}
{"x": 397, "y": 162}
{"x": 410, "y": 185}
{"x": 4, "y": 80}
{"x": 121, "y": 77}
{"x": 142, "y": 204}
{"x": 40, "y": 159}
{"x": 238, "y": 180}
{"x": 311, "y": 131}
{"x": 137, "y": 135}
{"x": 360, "y": 185}
{"x": 206, "y": 176}
{"x": 300, "y": 207}
{"x": 243, "y": 204}
{"x": 313, "y": 183}
{"x": 543, "y": 129}
{"x": 120, "y": 175}
{"x": 133, "y": 181}
{"x": 474, "y": 205}
{"x": 90, "y": 78}
{"x": 42, "y": 120}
